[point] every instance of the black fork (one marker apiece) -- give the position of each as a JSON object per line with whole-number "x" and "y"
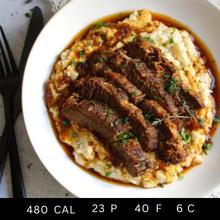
{"x": 9, "y": 81}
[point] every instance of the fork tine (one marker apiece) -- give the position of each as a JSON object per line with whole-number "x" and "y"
{"x": 13, "y": 64}
{"x": 2, "y": 72}
{"x": 5, "y": 59}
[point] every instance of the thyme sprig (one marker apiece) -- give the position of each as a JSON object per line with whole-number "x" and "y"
{"x": 172, "y": 86}
{"x": 158, "y": 121}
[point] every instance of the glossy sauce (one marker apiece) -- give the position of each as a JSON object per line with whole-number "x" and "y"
{"x": 203, "y": 50}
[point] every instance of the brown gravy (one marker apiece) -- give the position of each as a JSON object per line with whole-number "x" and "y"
{"x": 204, "y": 51}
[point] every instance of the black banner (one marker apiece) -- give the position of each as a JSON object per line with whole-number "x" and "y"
{"x": 77, "y": 208}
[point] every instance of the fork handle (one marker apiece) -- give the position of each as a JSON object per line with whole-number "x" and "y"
{"x": 16, "y": 175}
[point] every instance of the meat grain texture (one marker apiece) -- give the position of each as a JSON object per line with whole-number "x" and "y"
{"x": 164, "y": 167}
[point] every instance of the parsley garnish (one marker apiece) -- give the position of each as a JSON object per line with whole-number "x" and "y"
{"x": 171, "y": 85}
{"x": 216, "y": 118}
{"x": 157, "y": 98}
{"x": 100, "y": 24}
{"x": 185, "y": 136}
{"x": 134, "y": 94}
{"x": 75, "y": 135}
{"x": 126, "y": 135}
{"x": 201, "y": 122}
{"x": 126, "y": 121}
{"x": 66, "y": 123}
{"x": 109, "y": 112}
{"x": 143, "y": 164}
{"x": 148, "y": 115}
{"x": 180, "y": 175}
{"x": 136, "y": 65}
{"x": 207, "y": 147}
{"x": 108, "y": 174}
{"x": 73, "y": 62}
{"x": 81, "y": 53}
{"x": 171, "y": 40}
{"x": 93, "y": 103}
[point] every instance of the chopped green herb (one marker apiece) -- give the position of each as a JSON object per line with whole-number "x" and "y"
{"x": 100, "y": 24}
{"x": 112, "y": 124}
{"x": 157, "y": 98}
{"x": 73, "y": 62}
{"x": 75, "y": 135}
{"x": 143, "y": 164}
{"x": 89, "y": 44}
{"x": 108, "y": 174}
{"x": 93, "y": 103}
{"x": 136, "y": 65}
{"x": 108, "y": 165}
{"x": 134, "y": 94}
{"x": 180, "y": 175}
{"x": 148, "y": 38}
{"x": 109, "y": 112}
{"x": 171, "y": 85}
{"x": 126, "y": 135}
{"x": 66, "y": 123}
{"x": 171, "y": 40}
{"x": 185, "y": 136}
{"x": 206, "y": 147}
{"x": 148, "y": 115}
{"x": 174, "y": 29}
{"x": 161, "y": 185}
{"x": 81, "y": 53}
{"x": 201, "y": 122}
{"x": 166, "y": 77}
{"x": 216, "y": 118}
{"x": 126, "y": 121}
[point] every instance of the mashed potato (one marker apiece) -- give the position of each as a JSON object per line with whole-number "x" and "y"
{"x": 178, "y": 47}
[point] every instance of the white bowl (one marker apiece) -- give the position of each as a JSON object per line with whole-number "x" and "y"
{"x": 201, "y": 16}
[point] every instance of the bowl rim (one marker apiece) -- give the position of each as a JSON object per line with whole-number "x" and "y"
{"x": 50, "y": 22}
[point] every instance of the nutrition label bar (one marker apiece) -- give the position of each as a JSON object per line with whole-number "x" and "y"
{"x": 77, "y": 208}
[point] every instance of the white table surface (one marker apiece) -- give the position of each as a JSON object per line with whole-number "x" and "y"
{"x": 38, "y": 181}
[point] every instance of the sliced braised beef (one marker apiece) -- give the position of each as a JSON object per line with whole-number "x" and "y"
{"x": 193, "y": 99}
{"x": 97, "y": 117}
{"x": 131, "y": 154}
{"x": 99, "y": 89}
{"x": 152, "y": 56}
{"x": 135, "y": 75}
{"x": 170, "y": 147}
{"x": 161, "y": 66}
{"x": 134, "y": 94}
{"x": 137, "y": 72}
{"x": 104, "y": 121}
